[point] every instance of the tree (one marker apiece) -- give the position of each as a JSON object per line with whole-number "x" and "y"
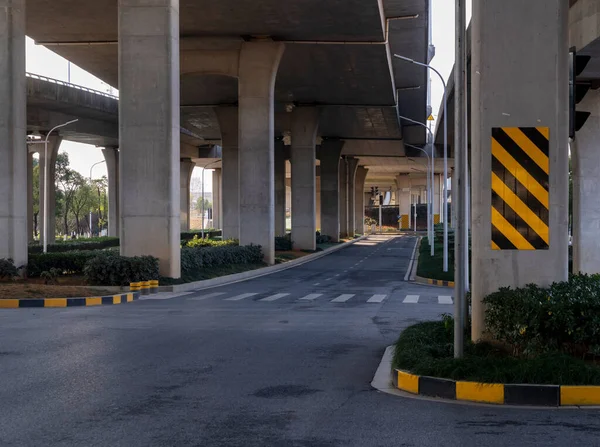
{"x": 207, "y": 204}
{"x": 36, "y": 194}
{"x": 83, "y": 200}
{"x": 69, "y": 182}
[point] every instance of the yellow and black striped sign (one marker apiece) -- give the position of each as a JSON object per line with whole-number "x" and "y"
{"x": 520, "y": 188}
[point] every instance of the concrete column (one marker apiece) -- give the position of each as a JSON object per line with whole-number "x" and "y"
{"x": 330, "y": 188}
{"x": 186, "y": 169}
{"x": 29, "y": 196}
{"x": 404, "y": 201}
{"x": 53, "y": 147}
{"x": 343, "y": 194}
{"x": 519, "y": 56}
{"x": 318, "y": 202}
{"x": 111, "y": 155}
{"x": 13, "y": 129}
{"x": 230, "y": 178}
{"x": 351, "y": 166}
{"x": 258, "y": 66}
{"x": 453, "y": 193}
{"x": 585, "y": 152}
{"x": 359, "y": 199}
{"x": 279, "y": 188}
{"x": 305, "y": 123}
{"x": 149, "y": 129}
{"x": 437, "y": 198}
{"x": 216, "y": 201}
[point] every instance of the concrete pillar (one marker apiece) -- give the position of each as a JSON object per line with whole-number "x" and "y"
{"x": 305, "y": 123}
{"x": 404, "y": 201}
{"x": 318, "y": 202}
{"x": 343, "y": 194}
{"x": 585, "y": 152}
{"x": 437, "y": 198}
{"x": 359, "y": 199}
{"x": 230, "y": 178}
{"x": 53, "y": 147}
{"x": 13, "y": 128}
{"x": 216, "y": 201}
{"x": 111, "y": 156}
{"x": 351, "y": 166}
{"x": 330, "y": 188}
{"x": 149, "y": 129}
{"x": 519, "y": 224}
{"x": 29, "y": 196}
{"x": 186, "y": 169}
{"x": 258, "y": 66}
{"x": 279, "y": 188}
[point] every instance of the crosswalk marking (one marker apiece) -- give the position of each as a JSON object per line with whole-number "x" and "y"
{"x": 311, "y": 297}
{"x": 240, "y": 297}
{"x": 205, "y": 297}
{"x": 275, "y": 297}
{"x": 376, "y": 299}
{"x": 342, "y": 298}
{"x": 412, "y": 299}
{"x": 444, "y": 299}
{"x": 165, "y": 296}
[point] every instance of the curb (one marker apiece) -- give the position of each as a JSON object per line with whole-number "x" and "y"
{"x": 238, "y": 277}
{"x": 69, "y": 302}
{"x": 433, "y": 282}
{"x": 497, "y": 393}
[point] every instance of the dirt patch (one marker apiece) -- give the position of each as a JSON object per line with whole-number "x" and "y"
{"x": 19, "y": 290}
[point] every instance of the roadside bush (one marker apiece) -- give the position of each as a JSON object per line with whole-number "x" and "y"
{"x": 564, "y": 317}
{"x": 323, "y": 238}
{"x": 284, "y": 243}
{"x": 199, "y": 242}
{"x": 111, "y": 269}
{"x": 8, "y": 269}
{"x": 77, "y": 245}
{"x": 369, "y": 221}
{"x": 196, "y": 258}
{"x": 209, "y": 233}
{"x": 72, "y": 262}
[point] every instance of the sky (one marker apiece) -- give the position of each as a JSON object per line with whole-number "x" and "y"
{"x": 44, "y": 62}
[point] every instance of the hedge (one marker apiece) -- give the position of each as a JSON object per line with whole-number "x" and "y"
{"x": 208, "y": 233}
{"x": 111, "y": 269}
{"x": 196, "y": 258}
{"x": 72, "y": 262}
{"x": 77, "y": 245}
{"x": 199, "y": 242}
{"x": 284, "y": 243}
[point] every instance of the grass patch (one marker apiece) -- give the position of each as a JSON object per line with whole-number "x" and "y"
{"x": 432, "y": 266}
{"x": 211, "y": 272}
{"x": 23, "y": 290}
{"x": 427, "y": 349}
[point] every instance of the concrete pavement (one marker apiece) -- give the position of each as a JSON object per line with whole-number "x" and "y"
{"x": 249, "y": 364}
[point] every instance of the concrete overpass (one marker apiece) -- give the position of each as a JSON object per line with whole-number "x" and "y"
{"x": 242, "y": 75}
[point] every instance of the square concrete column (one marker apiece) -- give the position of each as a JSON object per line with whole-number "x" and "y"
{"x": 13, "y": 129}
{"x": 149, "y": 129}
{"x": 229, "y": 124}
{"x": 318, "y": 202}
{"x": 519, "y": 156}
{"x": 343, "y": 194}
{"x": 330, "y": 188}
{"x": 186, "y": 169}
{"x": 453, "y": 193}
{"x": 216, "y": 202}
{"x": 586, "y": 189}
{"x": 351, "y": 166}
{"x": 53, "y": 147}
{"x": 29, "y": 195}
{"x": 404, "y": 201}
{"x": 437, "y": 198}
{"x": 258, "y": 65}
{"x": 305, "y": 123}
{"x": 280, "y": 188}
{"x": 111, "y": 156}
{"x": 359, "y": 199}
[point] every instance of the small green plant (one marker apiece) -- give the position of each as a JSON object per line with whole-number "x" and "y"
{"x": 199, "y": 242}
{"x": 369, "y": 221}
{"x": 111, "y": 269}
{"x": 51, "y": 276}
{"x": 7, "y": 269}
{"x": 284, "y": 243}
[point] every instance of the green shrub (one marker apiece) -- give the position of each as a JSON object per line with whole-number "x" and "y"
{"x": 369, "y": 221}
{"x": 111, "y": 269}
{"x": 71, "y": 262}
{"x": 199, "y": 242}
{"x": 8, "y": 269}
{"x": 209, "y": 233}
{"x": 197, "y": 258}
{"x": 77, "y": 245}
{"x": 564, "y": 317}
{"x": 284, "y": 243}
{"x": 323, "y": 238}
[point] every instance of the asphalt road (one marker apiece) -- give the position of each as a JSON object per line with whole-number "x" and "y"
{"x": 282, "y": 360}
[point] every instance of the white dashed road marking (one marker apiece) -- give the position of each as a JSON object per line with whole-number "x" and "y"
{"x": 444, "y": 299}
{"x": 376, "y": 299}
{"x": 311, "y": 297}
{"x": 275, "y": 297}
{"x": 205, "y": 297}
{"x": 412, "y": 299}
{"x": 241, "y": 297}
{"x": 342, "y": 298}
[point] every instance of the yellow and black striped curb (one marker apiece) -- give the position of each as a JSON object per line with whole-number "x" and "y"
{"x": 434, "y": 282}
{"x": 498, "y": 393}
{"x": 68, "y": 302}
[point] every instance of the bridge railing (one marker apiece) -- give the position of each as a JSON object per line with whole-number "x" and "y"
{"x": 68, "y": 84}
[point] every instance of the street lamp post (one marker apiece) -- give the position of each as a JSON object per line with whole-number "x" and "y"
{"x": 203, "y": 169}
{"x": 431, "y": 236}
{"x": 445, "y": 201}
{"x": 429, "y": 186}
{"x": 92, "y": 167}
{"x": 46, "y": 182}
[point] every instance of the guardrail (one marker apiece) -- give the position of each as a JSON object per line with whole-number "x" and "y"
{"x": 67, "y": 84}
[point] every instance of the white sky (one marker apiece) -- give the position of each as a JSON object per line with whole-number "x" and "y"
{"x": 44, "y": 62}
